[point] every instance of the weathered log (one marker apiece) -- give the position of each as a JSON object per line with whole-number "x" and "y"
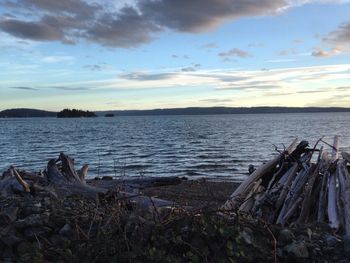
{"x": 292, "y": 173}
{"x": 306, "y": 202}
{"x": 293, "y": 195}
{"x": 332, "y": 210}
{"x": 344, "y": 185}
{"x": 241, "y": 192}
{"x": 248, "y": 203}
{"x": 321, "y": 209}
{"x": 83, "y": 172}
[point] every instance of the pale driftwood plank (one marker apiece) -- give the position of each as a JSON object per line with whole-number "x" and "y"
{"x": 242, "y": 191}
{"x": 332, "y": 209}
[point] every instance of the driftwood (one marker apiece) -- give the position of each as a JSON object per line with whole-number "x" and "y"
{"x": 332, "y": 189}
{"x": 60, "y": 179}
{"x": 294, "y": 189}
{"x": 242, "y": 191}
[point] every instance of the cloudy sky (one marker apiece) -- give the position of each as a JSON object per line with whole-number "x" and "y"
{"x": 144, "y": 54}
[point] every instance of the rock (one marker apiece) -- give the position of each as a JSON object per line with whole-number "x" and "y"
{"x": 32, "y": 221}
{"x": 65, "y": 230}
{"x": 285, "y": 236}
{"x": 331, "y": 240}
{"x": 297, "y": 252}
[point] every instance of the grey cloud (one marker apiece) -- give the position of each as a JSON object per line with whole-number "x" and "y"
{"x": 31, "y": 30}
{"x": 94, "y": 67}
{"x": 76, "y": 7}
{"x": 324, "y": 53}
{"x": 341, "y": 35}
{"x": 320, "y": 53}
{"x": 70, "y": 21}
{"x": 126, "y": 29}
{"x": 203, "y": 15}
{"x": 210, "y": 46}
{"x": 23, "y": 88}
{"x": 344, "y": 88}
{"x": 146, "y": 77}
{"x": 235, "y": 52}
{"x": 191, "y": 68}
{"x": 311, "y": 91}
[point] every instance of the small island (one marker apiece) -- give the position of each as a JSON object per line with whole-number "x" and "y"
{"x": 109, "y": 115}
{"x": 74, "y": 113}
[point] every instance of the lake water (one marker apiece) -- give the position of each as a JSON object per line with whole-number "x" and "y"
{"x": 215, "y": 146}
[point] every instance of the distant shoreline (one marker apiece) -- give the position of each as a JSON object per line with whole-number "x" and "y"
{"x": 30, "y": 113}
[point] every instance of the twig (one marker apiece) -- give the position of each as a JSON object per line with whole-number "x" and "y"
{"x": 274, "y": 242}
{"x": 155, "y": 209}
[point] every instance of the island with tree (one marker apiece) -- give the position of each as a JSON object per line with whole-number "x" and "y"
{"x": 74, "y": 113}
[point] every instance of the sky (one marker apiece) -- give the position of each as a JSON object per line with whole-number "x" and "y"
{"x": 146, "y": 54}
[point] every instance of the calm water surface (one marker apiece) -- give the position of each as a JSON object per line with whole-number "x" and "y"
{"x": 215, "y": 146}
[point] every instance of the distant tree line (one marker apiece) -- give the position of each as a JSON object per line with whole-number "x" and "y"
{"x": 26, "y": 113}
{"x": 74, "y": 113}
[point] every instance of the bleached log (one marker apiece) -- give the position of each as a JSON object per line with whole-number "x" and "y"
{"x": 248, "y": 203}
{"x": 293, "y": 194}
{"x": 344, "y": 185}
{"x": 83, "y": 172}
{"x": 241, "y": 192}
{"x": 306, "y": 203}
{"x": 332, "y": 210}
{"x": 291, "y": 175}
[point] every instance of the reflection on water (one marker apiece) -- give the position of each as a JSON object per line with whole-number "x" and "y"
{"x": 216, "y": 146}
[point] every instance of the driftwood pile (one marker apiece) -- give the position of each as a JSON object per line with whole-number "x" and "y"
{"x": 60, "y": 179}
{"x": 300, "y": 186}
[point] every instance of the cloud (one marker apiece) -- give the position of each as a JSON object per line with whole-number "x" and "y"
{"x": 139, "y": 76}
{"x": 127, "y": 28}
{"x": 211, "y": 45}
{"x": 324, "y": 53}
{"x": 234, "y": 52}
{"x": 191, "y": 68}
{"x": 203, "y": 15}
{"x": 94, "y": 67}
{"x": 23, "y": 88}
{"x": 56, "y": 59}
{"x": 31, "y": 30}
{"x": 341, "y": 36}
{"x": 128, "y": 23}
{"x": 339, "y": 40}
